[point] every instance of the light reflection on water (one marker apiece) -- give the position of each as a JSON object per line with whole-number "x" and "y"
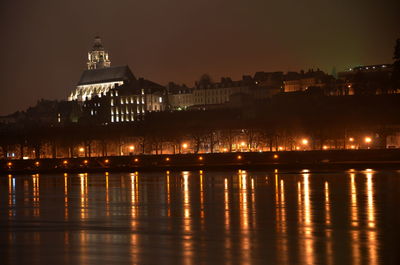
{"x": 196, "y": 217}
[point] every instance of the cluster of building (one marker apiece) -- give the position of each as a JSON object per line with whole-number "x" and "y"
{"x": 108, "y": 94}
{"x": 112, "y": 94}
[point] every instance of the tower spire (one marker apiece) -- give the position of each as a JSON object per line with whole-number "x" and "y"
{"x": 98, "y": 56}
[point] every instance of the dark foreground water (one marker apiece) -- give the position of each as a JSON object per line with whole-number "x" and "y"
{"x": 197, "y": 217}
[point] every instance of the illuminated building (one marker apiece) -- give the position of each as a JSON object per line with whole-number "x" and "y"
{"x": 113, "y": 94}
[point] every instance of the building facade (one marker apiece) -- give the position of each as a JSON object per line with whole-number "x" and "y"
{"x": 113, "y": 94}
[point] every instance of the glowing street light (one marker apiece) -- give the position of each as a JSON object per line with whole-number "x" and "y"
{"x": 276, "y": 156}
{"x": 368, "y": 140}
{"x": 325, "y": 147}
{"x": 200, "y": 158}
{"x": 185, "y": 145}
{"x": 351, "y": 139}
{"x": 131, "y": 148}
{"x": 243, "y": 144}
{"x": 65, "y": 162}
{"x": 304, "y": 142}
{"x": 81, "y": 149}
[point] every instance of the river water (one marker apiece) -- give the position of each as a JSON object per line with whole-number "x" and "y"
{"x": 201, "y": 217}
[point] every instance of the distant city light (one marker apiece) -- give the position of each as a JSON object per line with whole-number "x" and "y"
{"x": 136, "y": 160}
{"x": 280, "y": 148}
{"x": 368, "y": 140}
{"x": 85, "y": 162}
{"x": 9, "y": 164}
{"x": 106, "y": 161}
{"x": 200, "y": 158}
{"x": 131, "y": 148}
{"x": 185, "y": 145}
{"x": 276, "y": 156}
{"x": 167, "y": 159}
{"x": 243, "y": 144}
{"x": 37, "y": 163}
{"x": 353, "y": 147}
{"x": 351, "y": 139}
{"x": 304, "y": 141}
{"x": 239, "y": 157}
{"x": 81, "y": 149}
{"x": 65, "y": 162}
{"x": 325, "y": 147}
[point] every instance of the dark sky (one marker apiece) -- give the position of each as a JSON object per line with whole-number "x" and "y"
{"x": 44, "y": 43}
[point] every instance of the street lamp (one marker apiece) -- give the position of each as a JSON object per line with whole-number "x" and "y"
{"x": 368, "y": 140}
{"x": 131, "y": 148}
{"x": 304, "y": 142}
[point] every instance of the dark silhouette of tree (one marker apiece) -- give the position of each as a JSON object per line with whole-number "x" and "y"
{"x": 395, "y": 80}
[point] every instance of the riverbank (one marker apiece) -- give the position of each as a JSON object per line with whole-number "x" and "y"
{"x": 289, "y": 160}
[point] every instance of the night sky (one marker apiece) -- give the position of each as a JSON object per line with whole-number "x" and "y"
{"x": 44, "y": 43}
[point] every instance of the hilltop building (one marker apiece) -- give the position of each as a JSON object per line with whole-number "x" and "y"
{"x": 110, "y": 94}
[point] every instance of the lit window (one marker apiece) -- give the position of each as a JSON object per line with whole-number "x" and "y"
{"x": 126, "y": 100}
{"x": 122, "y": 101}
{"x": 112, "y": 102}
{"x": 122, "y": 117}
{"x": 117, "y": 119}
{"x": 112, "y": 118}
{"x": 160, "y": 99}
{"x": 132, "y": 100}
{"x": 116, "y": 93}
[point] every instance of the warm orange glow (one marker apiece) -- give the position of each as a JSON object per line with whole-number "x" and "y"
{"x": 304, "y": 141}
{"x": 368, "y": 140}
{"x": 276, "y": 156}
{"x": 136, "y": 159}
{"x": 239, "y": 157}
{"x": 325, "y": 147}
{"x": 106, "y": 161}
{"x": 37, "y": 163}
{"x": 131, "y": 148}
{"x": 353, "y": 147}
{"x": 85, "y": 162}
{"x": 243, "y": 144}
{"x": 65, "y": 162}
{"x": 200, "y": 158}
{"x": 351, "y": 139}
{"x": 297, "y": 148}
{"x": 81, "y": 149}
{"x": 185, "y": 145}
{"x": 9, "y": 164}
{"x": 167, "y": 159}
{"x": 225, "y": 149}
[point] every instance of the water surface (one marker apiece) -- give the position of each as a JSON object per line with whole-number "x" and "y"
{"x": 201, "y": 217}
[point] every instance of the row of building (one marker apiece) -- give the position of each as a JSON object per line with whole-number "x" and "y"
{"x": 113, "y": 94}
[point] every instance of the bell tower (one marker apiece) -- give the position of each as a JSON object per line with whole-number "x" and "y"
{"x": 98, "y": 57}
